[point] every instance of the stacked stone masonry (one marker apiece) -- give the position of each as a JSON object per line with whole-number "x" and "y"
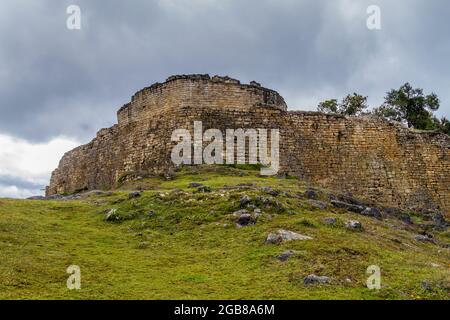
{"x": 366, "y": 157}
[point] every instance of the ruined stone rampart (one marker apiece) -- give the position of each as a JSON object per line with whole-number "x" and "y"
{"x": 369, "y": 158}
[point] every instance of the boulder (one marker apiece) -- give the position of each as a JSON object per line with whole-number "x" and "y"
{"x": 332, "y": 196}
{"x": 349, "y": 199}
{"x": 313, "y": 279}
{"x": 203, "y": 189}
{"x": 271, "y": 191}
{"x": 245, "y": 200}
{"x": 245, "y": 220}
{"x": 135, "y": 194}
{"x": 406, "y": 219}
{"x": 347, "y": 206}
{"x": 440, "y": 222}
{"x": 284, "y": 236}
{"x": 318, "y": 204}
{"x": 311, "y": 194}
{"x": 240, "y": 212}
{"x": 354, "y": 225}
{"x": 284, "y": 256}
{"x": 330, "y": 221}
{"x": 194, "y": 185}
{"x": 169, "y": 174}
{"x": 372, "y": 212}
{"x": 424, "y": 238}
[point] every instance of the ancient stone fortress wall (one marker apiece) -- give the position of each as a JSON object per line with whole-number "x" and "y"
{"x": 369, "y": 158}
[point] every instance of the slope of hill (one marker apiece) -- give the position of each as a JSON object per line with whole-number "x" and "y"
{"x": 189, "y": 238}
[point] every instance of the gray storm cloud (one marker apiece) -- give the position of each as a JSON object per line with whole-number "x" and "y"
{"x": 57, "y": 82}
{"x": 54, "y": 81}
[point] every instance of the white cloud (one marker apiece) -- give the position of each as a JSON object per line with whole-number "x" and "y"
{"x": 26, "y": 167}
{"x": 15, "y": 192}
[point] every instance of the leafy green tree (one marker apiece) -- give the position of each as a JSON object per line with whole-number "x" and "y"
{"x": 328, "y": 106}
{"x": 411, "y": 106}
{"x": 351, "y": 105}
{"x": 445, "y": 126}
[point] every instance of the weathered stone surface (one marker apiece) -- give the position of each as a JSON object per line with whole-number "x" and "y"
{"x": 424, "y": 238}
{"x": 284, "y": 236}
{"x": 245, "y": 200}
{"x": 271, "y": 191}
{"x": 440, "y": 223}
{"x": 311, "y": 194}
{"x": 406, "y": 219}
{"x": 194, "y": 185}
{"x": 330, "y": 220}
{"x": 284, "y": 256}
{"x": 347, "y": 206}
{"x": 313, "y": 279}
{"x": 366, "y": 157}
{"x": 203, "y": 189}
{"x": 372, "y": 212}
{"x": 245, "y": 220}
{"x": 135, "y": 194}
{"x": 318, "y": 204}
{"x": 240, "y": 212}
{"x": 354, "y": 225}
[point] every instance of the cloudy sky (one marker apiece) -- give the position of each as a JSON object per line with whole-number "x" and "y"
{"x": 59, "y": 86}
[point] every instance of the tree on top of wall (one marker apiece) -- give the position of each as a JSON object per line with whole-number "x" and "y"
{"x": 351, "y": 105}
{"x": 445, "y": 126}
{"x": 410, "y": 106}
{"x": 407, "y": 105}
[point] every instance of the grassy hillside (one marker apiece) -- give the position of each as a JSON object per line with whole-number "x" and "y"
{"x": 174, "y": 241}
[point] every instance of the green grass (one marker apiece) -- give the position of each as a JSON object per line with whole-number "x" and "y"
{"x": 190, "y": 248}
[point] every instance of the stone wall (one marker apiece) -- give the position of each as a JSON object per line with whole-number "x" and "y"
{"x": 368, "y": 158}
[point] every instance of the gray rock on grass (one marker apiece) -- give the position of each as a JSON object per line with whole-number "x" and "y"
{"x": 271, "y": 191}
{"x": 347, "y": 206}
{"x": 317, "y": 204}
{"x": 285, "y": 236}
{"x": 244, "y": 218}
{"x": 330, "y": 220}
{"x": 354, "y": 225}
{"x": 285, "y": 255}
{"x": 372, "y": 212}
{"x": 195, "y": 185}
{"x": 311, "y": 194}
{"x": 135, "y": 194}
{"x": 314, "y": 279}
{"x": 245, "y": 200}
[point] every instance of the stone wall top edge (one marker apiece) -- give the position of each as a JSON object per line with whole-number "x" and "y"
{"x": 200, "y": 77}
